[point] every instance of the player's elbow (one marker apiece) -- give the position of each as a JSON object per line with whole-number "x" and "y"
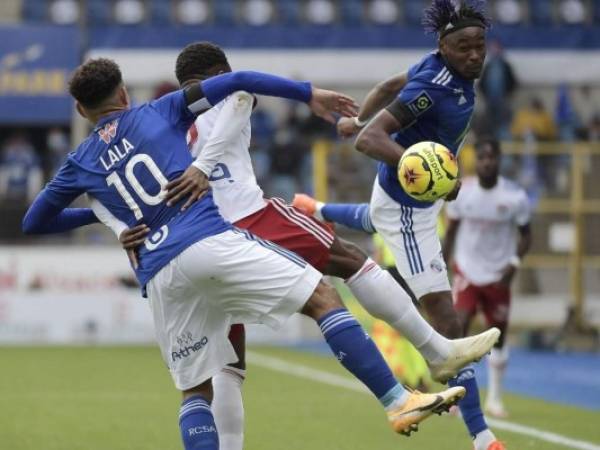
{"x": 29, "y": 225}
{"x": 366, "y": 141}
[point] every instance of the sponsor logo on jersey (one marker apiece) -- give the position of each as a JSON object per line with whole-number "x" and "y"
{"x": 188, "y": 346}
{"x": 109, "y": 131}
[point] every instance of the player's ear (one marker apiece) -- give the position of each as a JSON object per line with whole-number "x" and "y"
{"x": 81, "y": 110}
{"x": 124, "y": 96}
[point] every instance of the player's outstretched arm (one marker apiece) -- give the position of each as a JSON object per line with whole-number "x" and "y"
{"x": 213, "y": 90}
{"x": 378, "y": 98}
{"x": 44, "y": 217}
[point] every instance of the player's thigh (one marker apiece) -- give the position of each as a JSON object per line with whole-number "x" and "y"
{"x": 466, "y": 299}
{"x": 439, "y": 308}
{"x": 259, "y": 281}
{"x": 496, "y": 306}
{"x": 411, "y": 235}
{"x": 190, "y": 329}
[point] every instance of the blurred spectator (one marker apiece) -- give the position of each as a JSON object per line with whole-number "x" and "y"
{"x": 587, "y": 100}
{"x": 129, "y": 12}
{"x": 508, "y": 12}
{"x": 287, "y": 155}
{"x": 320, "y": 12}
{"x": 572, "y": 12}
{"x": 263, "y": 128}
{"x": 57, "y": 143}
{"x": 594, "y": 128}
{"x": 20, "y": 170}
{"x": 497, "y": 84}
{"x": 533, "y": 121}
{"x": 258, "y": 12}
{"x": 164, "y": 88}
{"x": 384, "y": 12}
{"x": 192, "y": 12}
{"x": 565, "y": 116}
{"x": 64, "y": 12}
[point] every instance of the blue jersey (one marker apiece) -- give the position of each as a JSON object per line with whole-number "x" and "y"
{"x": 125, "y": 162}
{"x": 442, "y": 103}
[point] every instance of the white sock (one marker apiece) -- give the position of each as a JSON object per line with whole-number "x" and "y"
{"x": 497, "y": 364}
{"x": 483, "y": 439}
{"x": 318, "y": 208}
{"x": 384, "y": 298}
{"x": 227, "y": 407}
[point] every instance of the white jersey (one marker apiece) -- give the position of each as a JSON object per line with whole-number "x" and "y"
{"x": 221, "y": 139}
{"x": 487, "y": 235}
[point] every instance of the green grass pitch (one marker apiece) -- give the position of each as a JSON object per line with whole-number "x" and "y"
{"x": 121, "y": 398}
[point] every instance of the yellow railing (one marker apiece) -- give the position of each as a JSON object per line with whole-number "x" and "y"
{"x": 577, "y": 206}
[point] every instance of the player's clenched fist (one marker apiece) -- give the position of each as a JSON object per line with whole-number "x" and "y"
{"x": 192, "y": 183}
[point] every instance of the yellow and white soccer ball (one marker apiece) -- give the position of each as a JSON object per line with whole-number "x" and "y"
{"x": 427, "y": 171}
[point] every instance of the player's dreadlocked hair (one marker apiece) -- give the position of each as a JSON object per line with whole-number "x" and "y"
{"x": 95, "y": 81}
{"x": 196, "y": 59}
{"x": 447, "y": 16}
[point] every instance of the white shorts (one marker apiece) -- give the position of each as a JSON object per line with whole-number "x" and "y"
{"x": 411, "y": 235}
{"x": 232, "y": 277}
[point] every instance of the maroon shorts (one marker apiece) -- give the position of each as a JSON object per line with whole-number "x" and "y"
{"x": 492, "y": 299}
{"x": 293, "y": 230}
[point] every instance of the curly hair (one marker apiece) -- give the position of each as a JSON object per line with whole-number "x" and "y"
{"x": 95, "y": 81}
{"x": 442, "y": 13}
{"x": 483, "y": 141}
{"x": 196, "y": 59}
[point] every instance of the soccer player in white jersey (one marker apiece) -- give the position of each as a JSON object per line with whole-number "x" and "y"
{"x": 220, "y": 139}
{"x": 488, "y": 234}
{"x": 199, "y": 272}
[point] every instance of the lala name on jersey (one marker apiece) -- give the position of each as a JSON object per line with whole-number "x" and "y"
{"x": 116, "y": 153}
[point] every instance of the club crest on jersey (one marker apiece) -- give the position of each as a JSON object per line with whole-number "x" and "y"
{"x": 420, "y": 103}
{"x": 109, "y": 131}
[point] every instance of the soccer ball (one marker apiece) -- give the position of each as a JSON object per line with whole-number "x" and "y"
{"x": 427, "y": 171}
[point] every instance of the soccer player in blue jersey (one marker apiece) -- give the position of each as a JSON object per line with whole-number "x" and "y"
{"x": 200, "y": 273}
{"x": 433, "y": 101}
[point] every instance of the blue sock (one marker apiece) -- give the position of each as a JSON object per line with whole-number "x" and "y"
{"x": 352, "y": 215}
{"x": 469, "y": 405}
{"x": 197, "y": 425}
{"x": 357, "y": 353}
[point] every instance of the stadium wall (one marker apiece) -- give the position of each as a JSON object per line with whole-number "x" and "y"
{"x": 86, "y": 295}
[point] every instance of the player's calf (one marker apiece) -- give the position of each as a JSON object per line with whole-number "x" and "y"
{"x": 196, "y": 422}
{"x": 355, "y": 350}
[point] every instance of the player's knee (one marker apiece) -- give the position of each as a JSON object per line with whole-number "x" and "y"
{"x": 204, "y": 389}
{"x": 324, "y": 300}
{"x": 346, "y": 259}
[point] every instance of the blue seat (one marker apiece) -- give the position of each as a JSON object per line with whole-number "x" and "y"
{"x": 413, "y": 11}
{"x": 351, "y": 12}
{"x": 541, "y": 12}
{"x": 99, "y": 12}
{"x": 224, "y": 12}
{"x": 34, "y": 10}
{"x": 160, "y": 11}
{"x": 596, "y": 14}
{"x": 289, "y": 12}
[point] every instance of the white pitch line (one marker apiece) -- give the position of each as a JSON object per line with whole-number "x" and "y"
{"x": 281, "y": 365}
